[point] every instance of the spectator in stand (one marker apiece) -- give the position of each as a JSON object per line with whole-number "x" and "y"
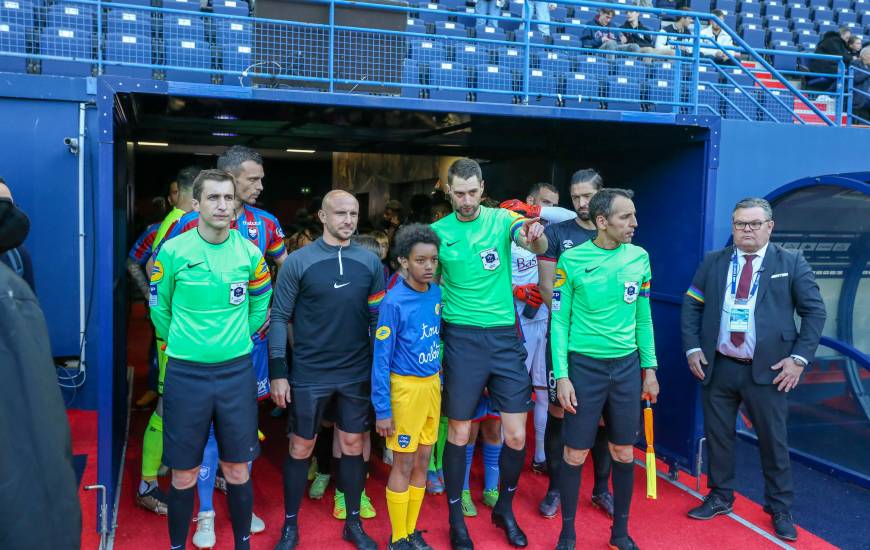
{"x": 714, "y": 33}
{"x": 855, "y": 44}
{"x": 861, "y": 85}
{"x": 832, "y": 43}
{"x": 644, "y": 40}
{"x": 488, "y": 7}
{"x": 683, "y": 25}
{"x": 540, "y": 12}
{"x": 392, "y": 217}
{"x": 604, "y": 38}
{"x": 440, "y": 208}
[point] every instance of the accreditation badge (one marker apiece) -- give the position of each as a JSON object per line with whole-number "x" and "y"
{"x": 738, "y": 317}
{"x": 632, "y": 288}
{"x": 238, "y": 292}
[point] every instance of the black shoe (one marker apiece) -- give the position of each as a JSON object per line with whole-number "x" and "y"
{"x": 459, "y": 539}
{"x": 539, "y": 468}
{"x": 565, "y": 544}
{"x": 515, "y": 535}
{"x": 401, "y": 544}
{"x": 712, "y": 506}
{"x": 417, "y": 542}
{"x": 289, "y": 538}
{"x": 549, "y": 506}
{"x": 783, "y": 524}
{"x": 354, "y": 534}
{"x": 604, "y": 501}
{"x": 623, "y": 543}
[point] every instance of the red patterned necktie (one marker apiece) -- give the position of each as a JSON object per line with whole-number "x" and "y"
{"x": 737, "y": 338}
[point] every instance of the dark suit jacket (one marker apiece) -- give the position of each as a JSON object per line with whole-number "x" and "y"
{"x": 777, "y": 301}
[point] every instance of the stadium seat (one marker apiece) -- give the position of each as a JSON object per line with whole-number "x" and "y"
{"x": 707, "y": 96}
{"x": 623, "y": 93}
{"x": 664, "y": 71}
{"x": 799, "y": 12}
{"x": 579, "y": 87}
{"x": 706, "y": 73}
{"x": 237, "y": 58}
{"x": 491, "y": 33}
{"x": 411, "y": 75}
{"x": 592, "y": 65}
{"x": 825, "y": 26}
{"x": 808, "y": 42}
{"x": 774, "y": 20}
{"x": 700, "y": 5}
{"x": 619, "y": 18}
{"x": 754, "y": 35}
{"x": 846, "y": 16}
{"x": 559, "y": 14}
{"x": 738, "y": 75}
{"x": 784, "y": 62}
{"x": 68, "y": 15}
{"x": 183, "y": 27}
{"x": 839, "y": 4}
{"x": 817, "y": 3}
{"x": 128, "y": 21}
{"x": 17, "y": 12}
{"x": 749, "y": 19}
{"x": 511, "y": 24}
{"x": 233, "y": 31}
{"x": 567, "y": 40}
{"x": 556, "y": 62}
{"x": 471, "y": 55}
{"x": 727, "y": 5}
{"x": 774, "y": 8}
{"x": 183, "y": 53}
{"x": 70, "y": 43}
{"x": 446, "y": 74}
{"x": 231, "y": 7}
{"x": 415, "y": 25}
{"x": 739, "y": 105}
{"x": 584, "y": 13}
{"x": 780, "y": 36}
{"x": 187, "y": 5}
{"x": 425, "y": 51}
{"x": 800, "y": 24}
{"x": 662, "y": 90}
{"x": 449, "y": 28}
{"x": 128, "y": 48}
{"x": 428, "y": 14}
{"x": 535, "y": 37}
{"x": 146, "y": 3}
{"x": 749, "y": 6}
{"x": 821, "y": 13}
{"x": 490, "y": 78}
{"x": 651, "y": 21}
{"x": 634, "y": 68}
{"x": 544, "y": 82}
{"x": 509, "y": 57}
{"x": 12, "y": 40}
{"x": 776, "y": 109}
{"x": 452, "y": 4}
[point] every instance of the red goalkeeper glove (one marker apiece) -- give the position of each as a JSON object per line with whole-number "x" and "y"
{"x": 518, "y": 206}
{"x": 529, "y": 294}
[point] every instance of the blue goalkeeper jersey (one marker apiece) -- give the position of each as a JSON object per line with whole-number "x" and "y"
{"x": 407, "y": 340}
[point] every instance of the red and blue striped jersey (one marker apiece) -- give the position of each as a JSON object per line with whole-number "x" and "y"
{"x": 255, "y": 224}
{"x": 141, "y": 251}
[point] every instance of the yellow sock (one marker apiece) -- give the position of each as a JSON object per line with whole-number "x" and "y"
{"x": 397, "y": 507}
{"x": 415, "y": 502}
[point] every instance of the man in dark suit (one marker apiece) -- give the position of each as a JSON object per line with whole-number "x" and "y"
{"x": 739, "y": 313}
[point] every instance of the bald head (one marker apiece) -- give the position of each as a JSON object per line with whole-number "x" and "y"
{"x": 339, "y": 214}
{"x": 5, "y": 193}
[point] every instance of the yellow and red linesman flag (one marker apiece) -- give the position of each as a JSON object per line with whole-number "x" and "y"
{"x": 650, "y": 452}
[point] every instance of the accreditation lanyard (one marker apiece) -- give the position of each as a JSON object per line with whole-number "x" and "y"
{"x": 738, "y": 317}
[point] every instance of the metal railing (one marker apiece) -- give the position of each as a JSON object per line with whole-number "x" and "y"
{"x": 443, "y": 51}
{"x": 863, "y": 93}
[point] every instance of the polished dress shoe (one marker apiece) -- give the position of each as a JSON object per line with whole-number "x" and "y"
{"x": 712, "y": 506}
{"x": 459, "y": 539}
{"x": 354, "y": 534}
{"x": 289, "y": 538}
{"x": 783, "y": 524}
{"x": 508, "y": 523}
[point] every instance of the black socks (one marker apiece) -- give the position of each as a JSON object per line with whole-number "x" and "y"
{"x": 553, "y": 450}
{"x": 510, "y": 465}
{"x": 601, "y": 461}
{"x": 352, "y": 473}
{"x": 323, "y": 450}
{"x": 295, "y": 478}
{"x": 454, "y": 477}
{"x": 623, "y": 486}
{"x": 240, "y": 501}
{"x": 569, "y": 492}
{"x": 180, "y": 504}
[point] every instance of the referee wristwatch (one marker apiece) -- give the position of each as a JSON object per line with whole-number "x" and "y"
{"x": 799, "y": 360}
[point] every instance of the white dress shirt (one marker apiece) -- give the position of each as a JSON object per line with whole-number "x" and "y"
{"x": 724, "y": 345}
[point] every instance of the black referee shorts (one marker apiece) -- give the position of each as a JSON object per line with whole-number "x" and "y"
{"x": 608, "y": 387}
{"x": 350, "y": 402}
{"x": 194, "y": 395}
{"x": 476, "y": 358}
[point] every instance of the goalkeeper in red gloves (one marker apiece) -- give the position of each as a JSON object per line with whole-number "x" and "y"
{"x": 542, "y": 202}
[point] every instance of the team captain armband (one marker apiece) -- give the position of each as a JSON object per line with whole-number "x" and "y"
{"x": 695, "y": 292}
{"x": 262, "y": 280}
{"x": 375, "y": 300}
{"x": 644, "y": 290}
{"x": 516, "y": 224}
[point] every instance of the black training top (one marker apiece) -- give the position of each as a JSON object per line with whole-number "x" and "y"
{"x": 332, "y": 294}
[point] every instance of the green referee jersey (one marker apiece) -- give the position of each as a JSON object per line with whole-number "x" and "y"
{"x": 475, "y": 266}
{"x": 208, "y": 299}
{"x": 167, "y": 222}
{"x": 601, "y": 305}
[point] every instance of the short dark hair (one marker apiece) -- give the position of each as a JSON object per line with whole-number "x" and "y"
{"x": 588, "y": 175}
{"x": 411, "y": 234}
{"x": 368, "y": 242}
{"x": 212, "y": 175}
{"x": 843, "y": 29}
{"x": 231, "y": 160}
{"x": 441, "y": 204}
{"x": 464, "y": 168}
{"x": 606, "y": 11}
{"x": 719, "y": 13}
{"x": 601, "y": 203}
{"x": 186, "y": 177}
{"x": 536, "y": 188}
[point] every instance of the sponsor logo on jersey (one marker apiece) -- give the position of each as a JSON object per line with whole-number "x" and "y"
{"x": 157, "y": 272}
{"x": 567, "y": 243}
{"x": 279, "y": 232}
{"x": 561, "y": 277}
{"x": 383, "y": 333}
{"x": 404, "y": 440}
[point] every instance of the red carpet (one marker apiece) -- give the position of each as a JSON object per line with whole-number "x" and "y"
{"x": 654, "y": 524}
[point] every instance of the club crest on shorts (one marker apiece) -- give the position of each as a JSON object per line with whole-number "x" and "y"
{"x": 383, "y": 333}
{"x": 631, "y": 290}
{"x": 490, "y": 259}
{"x": 404, "y": 440}
{"x": 560, "y": 278}
{"x": 238, "y": 292}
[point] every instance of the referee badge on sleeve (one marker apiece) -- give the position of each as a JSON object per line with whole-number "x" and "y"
{"x": 238, "y": 291}
{"x": 631, "y": 290}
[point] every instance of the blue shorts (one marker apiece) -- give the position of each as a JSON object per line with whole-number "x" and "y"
{"x": 484, "y": 410}
{"x": 260, "y": 358}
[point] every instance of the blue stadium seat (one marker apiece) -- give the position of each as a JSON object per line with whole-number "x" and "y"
{"x": 231, "y": 7}
{"x": 700, "y": 5}
{"x": 449, "y": 28}
{"x": 128, "y": 21}
{"x": 516, "y": 7}
{"x": 774, "y": 8}
{"x": 584, "y": 13}
{"x": 737, "y": 98}
{"x": 18, "y": 12}
{"x": 556, "y": 62}
{"x": 411, "y": 75}
{"x": 651, "y": 21}
{"x": 623, "y": 93}
{"x": 799, "y": 12}
{"x": 822, "y": 13}
{"x": 709, "y": 97}
{"x": 429, "y": 16}
{"x": 128, "y": 48}
{"x": 509, "y": 57}
{"x": 779, "y": 111}
{"x": 738, "y": 75}
{"x": 662, "y": 90}
{"x": 236, "y": 57}
{"x": 182, "y": 26}
{"x": 781, "y": 35}
{"x": 559, "y": 14}
{"x": 415, "y": 25}
{"x": 452, "y": 4}
{"x": 846, "y": 16}
{"x": 68, "y": 15}
{"x": 12, "y": 40}
{"x": 839, "y": 4}
{"x": 749, "y": 6}
{"x": 592, "y": 65}
{"x": 146, "y": 3}
{"x": 706, "y": 73}
{"x": 424, "y": 51}
{"x": 774, "y": 20}
{"x": 509, "y": 25}
{"x": 749, "y": 19}
{"x": 493, "y": 77}
{"x": 816, "y": 3}
{"x": 471, "y": 55}
{"x": 809, "y": 41}
{"x": 182, "y": 53}
{"x": 665, "y": 70}
{"x": 543, "y": 82}
{"x": 753, "y": 34}
{"x": 491, "y": 33}
{"x": 731, "y": 20}
{"x": 727, "y": 5}
{"x": 187, "y": 5}
{"x": 579, "y": 87}
{"x": 635, "y": 68}
{"x": 824, "y": 26}
{"x": 799, "y": 24}
{"x": 785, "y": 62}
{"x": 619, "y": 18}
{"x": 567, "y": 40}
{"x": 70, "y": 43}
{"x": 233, "y": 31}
{"x": 535, "y": 37}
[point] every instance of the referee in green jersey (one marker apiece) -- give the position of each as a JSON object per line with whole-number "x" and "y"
{"x": 210, "y": 289}
{"x": 482, "y": 346}
{"x": 601, "y": 336}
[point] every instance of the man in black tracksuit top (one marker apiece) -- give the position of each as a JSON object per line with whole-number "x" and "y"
{"x": 331, "y": 289}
